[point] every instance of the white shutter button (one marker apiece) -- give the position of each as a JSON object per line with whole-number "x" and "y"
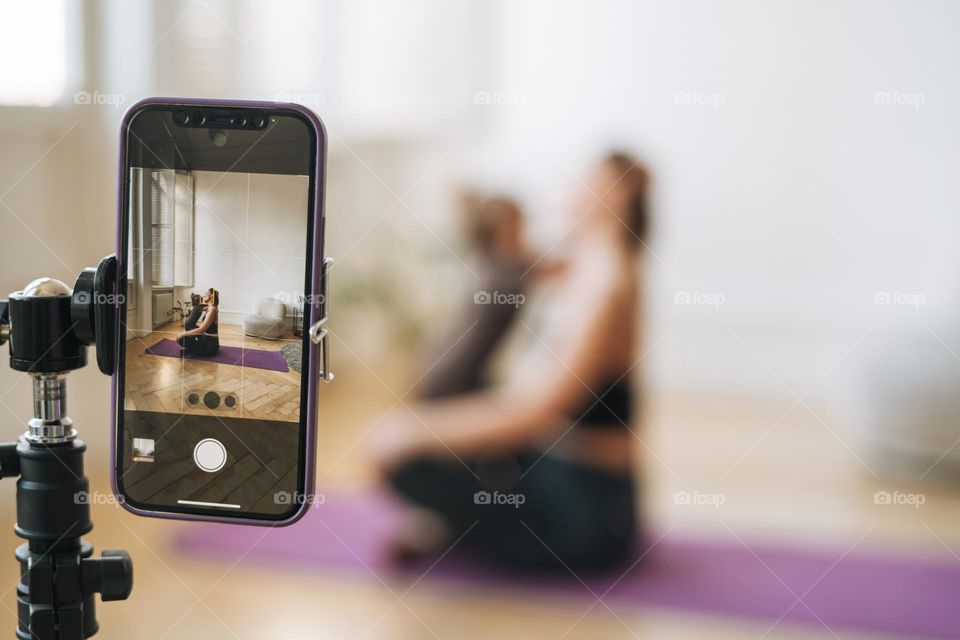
{"x": 210, "y": 455}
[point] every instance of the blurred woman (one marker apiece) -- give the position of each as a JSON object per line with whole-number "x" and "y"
{"x": 203, "y": 339}
{"x": 537, "y": 471}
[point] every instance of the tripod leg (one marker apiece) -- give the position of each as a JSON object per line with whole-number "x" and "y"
{"x": 59, "y": 576}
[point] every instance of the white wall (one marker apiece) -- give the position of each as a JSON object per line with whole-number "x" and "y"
{"x": 251, "y": 234}
{"x": 795, "y": 195}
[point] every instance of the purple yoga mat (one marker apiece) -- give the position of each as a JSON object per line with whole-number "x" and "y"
{"x": 254, "y": 358}
{"x": 858, "y": 590}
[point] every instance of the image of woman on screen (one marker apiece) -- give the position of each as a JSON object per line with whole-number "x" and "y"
{"x": 202, "y": 340}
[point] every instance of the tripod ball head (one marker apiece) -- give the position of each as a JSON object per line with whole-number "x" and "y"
{"x": 42, "y": 339}
{"x": 49, "y": 326}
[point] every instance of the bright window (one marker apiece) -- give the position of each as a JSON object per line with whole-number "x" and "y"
{"x": 33, "y": 48}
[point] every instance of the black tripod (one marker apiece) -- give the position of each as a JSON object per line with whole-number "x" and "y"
{"x": 48, "y": 329}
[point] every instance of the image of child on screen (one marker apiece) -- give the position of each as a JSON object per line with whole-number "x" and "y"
{"x": 196, "y": 310}
{"x": 202, "y": 340}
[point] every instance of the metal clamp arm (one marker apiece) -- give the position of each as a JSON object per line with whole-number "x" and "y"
{"x": 318, "y": 330}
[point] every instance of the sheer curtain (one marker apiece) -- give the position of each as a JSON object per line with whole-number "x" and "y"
{"x": 162, "y": 228}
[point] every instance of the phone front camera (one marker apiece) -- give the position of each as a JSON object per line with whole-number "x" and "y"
{"x": 259, "y": 122}
{"x": 198, "y": 119}
{"x": 218, "y": 137}
{"x": 182, "y": 118}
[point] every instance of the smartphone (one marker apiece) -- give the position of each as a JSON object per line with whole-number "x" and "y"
{"x": 222, "y": 276}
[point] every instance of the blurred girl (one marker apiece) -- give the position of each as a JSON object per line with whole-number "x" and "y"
{"x": 196, "y": 310}
{"x": 494, "y": 228}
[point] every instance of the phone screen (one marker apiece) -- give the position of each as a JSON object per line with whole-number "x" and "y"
{"x": 217, "y": 233}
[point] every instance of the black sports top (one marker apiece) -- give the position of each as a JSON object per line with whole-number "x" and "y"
{"x": 613, "y": 408}
{"x": 214, "y": 327}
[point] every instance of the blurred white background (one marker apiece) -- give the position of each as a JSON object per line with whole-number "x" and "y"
{"x": 802, "y": 338}
{"x": 803, "y": 153}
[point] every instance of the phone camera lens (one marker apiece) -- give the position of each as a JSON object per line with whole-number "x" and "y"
{"x": 242, "y": 121}
{"x": 198, "y": 119}
{"x": 181, "y": 118}
{"x": 259, "y": 122}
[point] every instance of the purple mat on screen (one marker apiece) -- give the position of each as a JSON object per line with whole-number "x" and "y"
{"x": 858, "y": 590}
{"x": 254, "y": 358}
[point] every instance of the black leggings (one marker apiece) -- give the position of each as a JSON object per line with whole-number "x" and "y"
{"x": 203, "y": 345}
{"x": 527, "y": 511}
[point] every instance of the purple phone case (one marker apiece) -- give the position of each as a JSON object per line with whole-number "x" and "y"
{"x": 318, "y": 257}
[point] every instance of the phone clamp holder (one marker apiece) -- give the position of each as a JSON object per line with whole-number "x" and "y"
{"x": 318, "y": 330}
{"x": 48, "y": 328}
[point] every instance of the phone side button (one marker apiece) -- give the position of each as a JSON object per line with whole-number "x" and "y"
{"x": 210, "y": 455}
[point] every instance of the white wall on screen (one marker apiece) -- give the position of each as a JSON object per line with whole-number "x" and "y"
{"x": 250, "y": 237}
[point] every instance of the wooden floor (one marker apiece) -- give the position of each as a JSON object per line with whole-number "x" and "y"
{"x": 797, "y": 484}
{"x": 161, "y": 383}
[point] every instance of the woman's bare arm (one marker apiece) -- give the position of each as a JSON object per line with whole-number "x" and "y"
{"x": 561, "y": 384}
{"x": 203, "y": 326}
